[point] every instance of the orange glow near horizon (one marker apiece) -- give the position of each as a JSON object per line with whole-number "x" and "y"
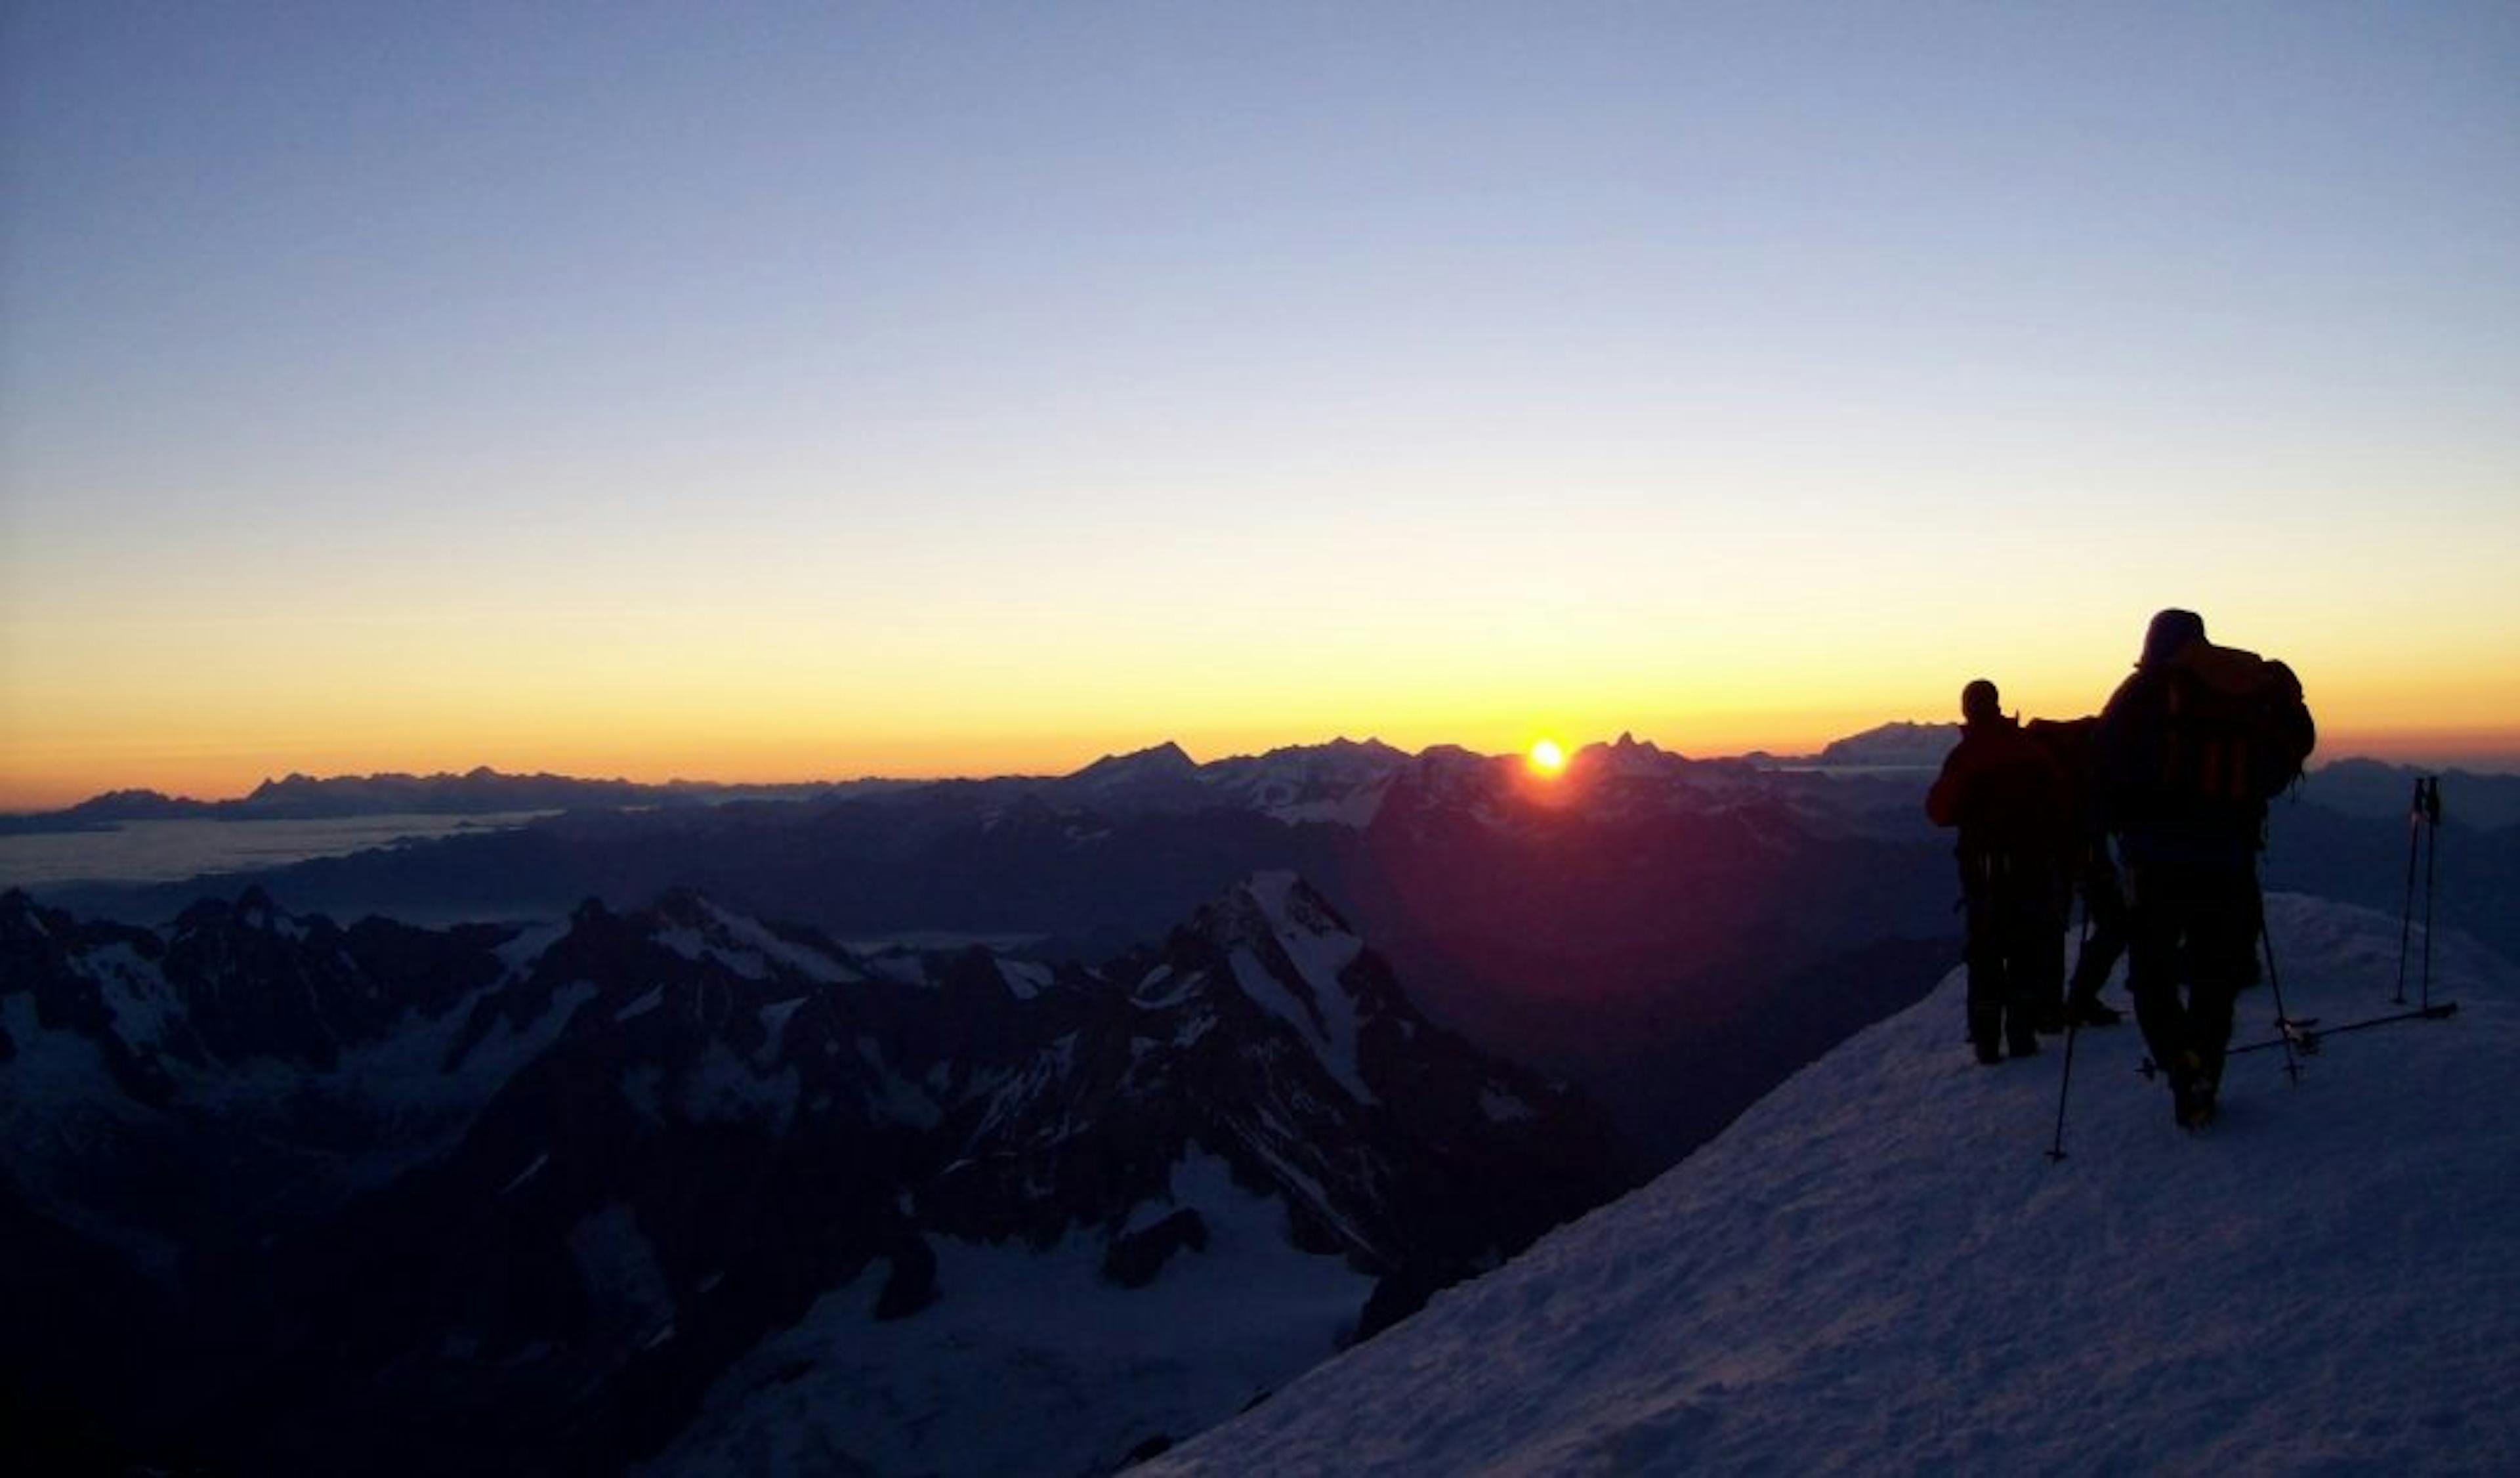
{"x": 742, "y": 704}
{"x": 215, "y": 765}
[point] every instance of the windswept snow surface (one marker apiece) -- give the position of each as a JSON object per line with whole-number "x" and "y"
{"x": 1878, "y": 1269}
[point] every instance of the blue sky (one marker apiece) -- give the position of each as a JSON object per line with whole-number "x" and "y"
{"x": 809, "y": 388}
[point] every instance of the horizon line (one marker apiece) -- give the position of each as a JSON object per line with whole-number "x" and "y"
{"x": 2441, "y": 759}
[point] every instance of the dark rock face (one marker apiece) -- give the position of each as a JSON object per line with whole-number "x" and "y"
{"x": 1135, "y": 1257}
{"x": 404, "y": 1200}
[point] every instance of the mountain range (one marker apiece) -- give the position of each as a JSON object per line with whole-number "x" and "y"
{"x": 283, "y": 1196}
{"x": 480, "y": 792}
{"x": 1673, "y": 934}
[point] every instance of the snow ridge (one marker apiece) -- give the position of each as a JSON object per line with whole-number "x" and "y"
{"x": 1878, "y": 1269}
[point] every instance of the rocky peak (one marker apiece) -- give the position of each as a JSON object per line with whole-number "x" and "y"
{"x": 1268, "y": 905}
{"x": 21, "y": 916}
{"x": 1167, "y": 760}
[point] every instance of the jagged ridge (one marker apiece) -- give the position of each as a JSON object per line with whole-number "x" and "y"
{"x": 564, "y": 1182}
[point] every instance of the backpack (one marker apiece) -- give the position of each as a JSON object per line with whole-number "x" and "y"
{"x": 2068, "y": 741}
{"x": 2235, "y": 726}
{"x": 2006, "y": 796}
{"x": 2070, "y": 744}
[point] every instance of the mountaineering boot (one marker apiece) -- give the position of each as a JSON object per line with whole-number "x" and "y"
{"x": 1986, "y": 1029}
{"x": 2195, "y": 1105}
{"x": 2023, "y": 1040}
{"x": 2191, "y": 1092}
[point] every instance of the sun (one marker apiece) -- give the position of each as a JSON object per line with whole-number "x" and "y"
{"x": 1547, "y": 756}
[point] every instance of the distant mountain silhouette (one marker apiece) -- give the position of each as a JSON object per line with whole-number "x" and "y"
{"x": 1898, "y": 744}
{"x": 2371, "y": 788}
{"x": 476, "y": 792}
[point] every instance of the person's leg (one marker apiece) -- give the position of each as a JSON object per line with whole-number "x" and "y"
{"x": 2042, "y": 948}
{"x": 2104, "y": 899}
{"x": 2224, "y": 944}
{"x": 2016, "y": 953}
{"x": 2152, "y": 964}
{"x": 1986, "y": 981}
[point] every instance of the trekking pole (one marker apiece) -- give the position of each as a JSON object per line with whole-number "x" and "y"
{"x": 2284, "y": 1026}
{"x": 2406, "y": 915}
{"x": 2432, "y": 848}
{"x": 2306, "y": 1035}
{"x": 2073, "y": 1028}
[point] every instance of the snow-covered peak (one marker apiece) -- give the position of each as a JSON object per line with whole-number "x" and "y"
{"x": 1341, "y": 782}
{"x": 1453, "y": 761}
{"x": 1902, "y": 744}
{"x": 1289, "y": 951}
{"x": 1447, "y": 780}
{"x": 1292, "y": 907}
{"x": 1879, "y": 1269}
{"x": 696, "y": 928}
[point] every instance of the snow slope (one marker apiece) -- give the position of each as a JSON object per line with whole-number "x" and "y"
{"x": 1061, "y": 1362}
{"x": 1878, "y": 1269}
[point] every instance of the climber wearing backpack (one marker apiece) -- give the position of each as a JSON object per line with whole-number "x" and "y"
{"x": 2189, "y": 751}
{"x": 2007, "y": 798}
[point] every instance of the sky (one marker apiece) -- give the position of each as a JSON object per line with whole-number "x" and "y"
{"x": 804, "y": 391}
